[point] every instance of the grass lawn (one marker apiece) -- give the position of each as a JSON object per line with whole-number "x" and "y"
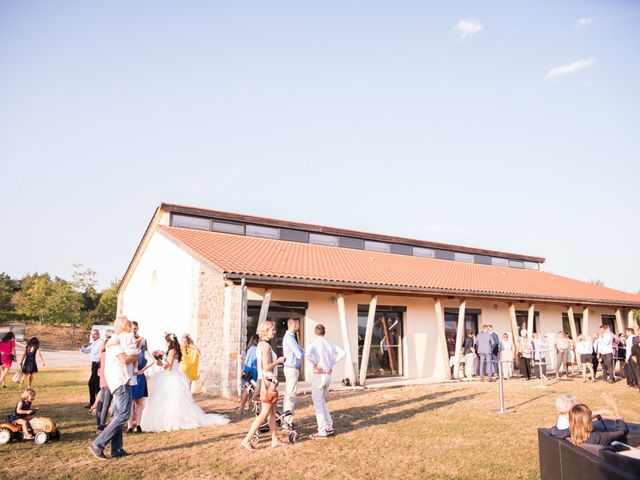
{"x": 428, "y": 431}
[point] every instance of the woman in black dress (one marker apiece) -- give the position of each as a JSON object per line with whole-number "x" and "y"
{"x": 28, "y": 362}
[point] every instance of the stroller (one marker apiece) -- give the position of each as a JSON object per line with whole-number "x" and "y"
{"x": 281, "y": 417}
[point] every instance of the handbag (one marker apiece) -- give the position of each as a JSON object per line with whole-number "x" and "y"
{"x": 269, "y": 392}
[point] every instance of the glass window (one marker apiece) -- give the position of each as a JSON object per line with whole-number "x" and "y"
{"x": 611, "y": 321}
{"x": 228, "y": 227}
{"x": 471, "y": 318}
{"x": 483, "y": 259}
{"x": 522, "y": 319}
{"x": 516, "y": 264}
{"x": 350, "y": 242}
{"x": 463, "y": 257}
{"x": 499, "y": 262}
{"x": 376, "y": 246}
{"x": 532, "y": 266}
{"x": 259, "y": 231}
{"x": 445, "y": 255}
{"x": 423, "y": 252}
{"x": 294, "y": 235}
{"x": 566, "y": 326}
{"x": 400, "y": 249}
{"x": 188, "y": 221}
{"x": 321, "y": 239}
{"x": 385, "y": 355}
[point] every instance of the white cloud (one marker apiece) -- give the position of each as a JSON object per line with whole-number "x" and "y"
{"x": 570, "y": 68}
{"x": 466, "y": 28}
{"x": 583, "y": 22}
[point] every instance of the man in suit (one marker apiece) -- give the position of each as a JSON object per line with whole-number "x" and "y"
{"x": 484, "y": 346}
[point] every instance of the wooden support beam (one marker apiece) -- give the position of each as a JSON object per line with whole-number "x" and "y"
{"x": 459, "y": 338}
{"x": 630, "y": 321}
{"x": 619, "y": 324}
{"x": 366, "y": 349}
{"x": 585, "y": 322}
{"x": 572, "y": 325}
{"x": 387, "y": 341}
{"x": 264, "y": 308}
{"x": 349, "y": 372}
{"x": 530, "y": 314}
{"x": 514, "y": 322}
{"x": 442, "y": 338}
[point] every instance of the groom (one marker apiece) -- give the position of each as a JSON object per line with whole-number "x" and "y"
{"x": 118, "y": 383}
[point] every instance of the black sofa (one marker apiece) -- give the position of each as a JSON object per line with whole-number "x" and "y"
{"x": 561, "y": 460}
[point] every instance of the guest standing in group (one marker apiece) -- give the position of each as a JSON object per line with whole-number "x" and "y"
{"x": 7, "y": 356}
{"x": 323, "y": 355}
{"x": 539, "y": 355}
{"x": 104, "y": 395}
{"x": 139, "y": 391}
{"x": 118, "y": 383}
{"x": 292, "y": 360}
{"x": 469, "y": 354}
{"x": 496, "y": 351}
{"x": 190, "y": 359}
{"x": 525, "y": 349}
{"x": 594, "y": 342}
{"x": 267, "y": 364}
{"x": 630, "y": 367}
{"x": 584, "y": 349}
{"x": 621, "y": 353}
{"x": 507, "y": 355}
{"x": 562, "y": 349}
{"x": 29, "y": 361}
{"x": 93, "y": 349}
{"x": 484, "y": 347}
{"x": 605, "y": 352}
{"x": 250, "y": 370}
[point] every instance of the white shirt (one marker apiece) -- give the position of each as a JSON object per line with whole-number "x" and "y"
{"x": 605, "y": 343}
{"x": 114, "y": 371}
{"x": 259, "y": 352}
{"x": 324, "y": 354}
{"x": 584, "y": 348}
{"x": 94, "y": 349}
{"x": 628, "y": 345}
{"x": 127, "y": 342}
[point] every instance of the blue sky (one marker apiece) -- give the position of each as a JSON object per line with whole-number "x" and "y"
{"x": 504, "y": 125}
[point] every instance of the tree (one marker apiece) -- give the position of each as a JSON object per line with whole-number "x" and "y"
{"x": 7, "y": 287}
{"x": 107, "y": 307}
{"x": 63, "y": 305}
{"x": 34, "y": 301}
{"x": 84, "y": 281}
{"x": 597, "y": 281}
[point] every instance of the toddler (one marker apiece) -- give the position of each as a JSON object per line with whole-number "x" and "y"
{"x": 24, "y": 412}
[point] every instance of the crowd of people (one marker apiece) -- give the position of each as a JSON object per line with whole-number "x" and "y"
{"x": 484, "y": 354}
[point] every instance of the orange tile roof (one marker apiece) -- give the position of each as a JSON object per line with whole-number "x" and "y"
{"x": 308, "y": 264}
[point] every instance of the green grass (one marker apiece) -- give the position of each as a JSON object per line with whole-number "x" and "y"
{"x": 431, "y": 431}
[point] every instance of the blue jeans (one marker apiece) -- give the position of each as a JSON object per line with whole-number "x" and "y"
{"x": 486, "y": 360}
{"x": 121, "y": 409}
{"x": 103, "y": 407}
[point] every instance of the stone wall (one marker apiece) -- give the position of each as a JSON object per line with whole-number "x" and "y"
{"x": 221, "y": 323}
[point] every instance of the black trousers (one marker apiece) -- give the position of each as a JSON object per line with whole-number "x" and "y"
{"x": 94, "y": 382}
{"x": 525, "y": 367}
{"x": 607, "y": 366}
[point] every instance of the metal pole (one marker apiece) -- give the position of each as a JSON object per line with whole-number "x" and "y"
{"x": 542, "y": 376}
{"x": 501, "y": 382}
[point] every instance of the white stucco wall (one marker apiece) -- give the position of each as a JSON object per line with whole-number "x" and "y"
{"x": 160, "y": 292}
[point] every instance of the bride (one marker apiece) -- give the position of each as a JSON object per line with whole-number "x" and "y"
{"x": 170, "y": 405}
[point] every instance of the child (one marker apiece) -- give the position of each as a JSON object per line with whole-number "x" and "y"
{"x": 130, "y": 345}
{"x": 24, "y": 412}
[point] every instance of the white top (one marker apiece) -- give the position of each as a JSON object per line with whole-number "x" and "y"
{"x": 628, "y": 345}
{"x": 562, "y": 423}
{"x": 325, "y": 354}
{"x": 94, "y": 349}
{"x": 584, "y": 348}
{"x": 267, "y": 373}
{"x": 605, "y": 343}
{"x": 114, "y": 371}
{"x": 128, "y": 344}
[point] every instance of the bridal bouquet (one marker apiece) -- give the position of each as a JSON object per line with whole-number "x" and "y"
{"x": 158, "y": 355}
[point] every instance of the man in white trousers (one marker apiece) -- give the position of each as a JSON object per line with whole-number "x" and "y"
{"x": 323, "y": 355}
{"x": 292, "y": 359}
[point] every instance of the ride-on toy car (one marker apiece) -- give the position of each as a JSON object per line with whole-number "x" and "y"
{"x": 44, "y": 429}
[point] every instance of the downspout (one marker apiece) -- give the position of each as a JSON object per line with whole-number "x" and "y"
{"x": 240, "y": 367}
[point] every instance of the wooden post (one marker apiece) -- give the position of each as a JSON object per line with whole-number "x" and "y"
{"x": 366, "y": 349}
{"x": 387, "y": 341}
{"x": 264, "y": 308}
{"x": 572, "y": 325}
{"x": 345, "y": 340}
{"x": 530, "y": 314}
{"x": 619, "y": 324}
{"x": 459, "y": 339}
{"x": 585, "y": 321}
{"x": 442, "y": 337}
{"x": 514, "y": 322}
{"x": 630, "y": 319}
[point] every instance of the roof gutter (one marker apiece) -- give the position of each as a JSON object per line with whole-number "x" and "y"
{"x": 326, "y": 284}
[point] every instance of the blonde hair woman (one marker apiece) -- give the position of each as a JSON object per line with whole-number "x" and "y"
{"x": 267, "y": 371}
{"x": 190, "y": 358}
{"x": 585, "y": 350}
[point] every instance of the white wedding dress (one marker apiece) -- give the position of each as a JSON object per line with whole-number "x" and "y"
{"x": 170, "y": 405}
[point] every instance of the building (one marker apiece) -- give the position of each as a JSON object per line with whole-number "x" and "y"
{"x": 397, "y": 305}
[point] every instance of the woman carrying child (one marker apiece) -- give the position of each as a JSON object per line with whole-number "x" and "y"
{"x": 24, "y": 412}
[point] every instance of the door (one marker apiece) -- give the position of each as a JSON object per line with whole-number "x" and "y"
{"x": 385, "y": 356}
